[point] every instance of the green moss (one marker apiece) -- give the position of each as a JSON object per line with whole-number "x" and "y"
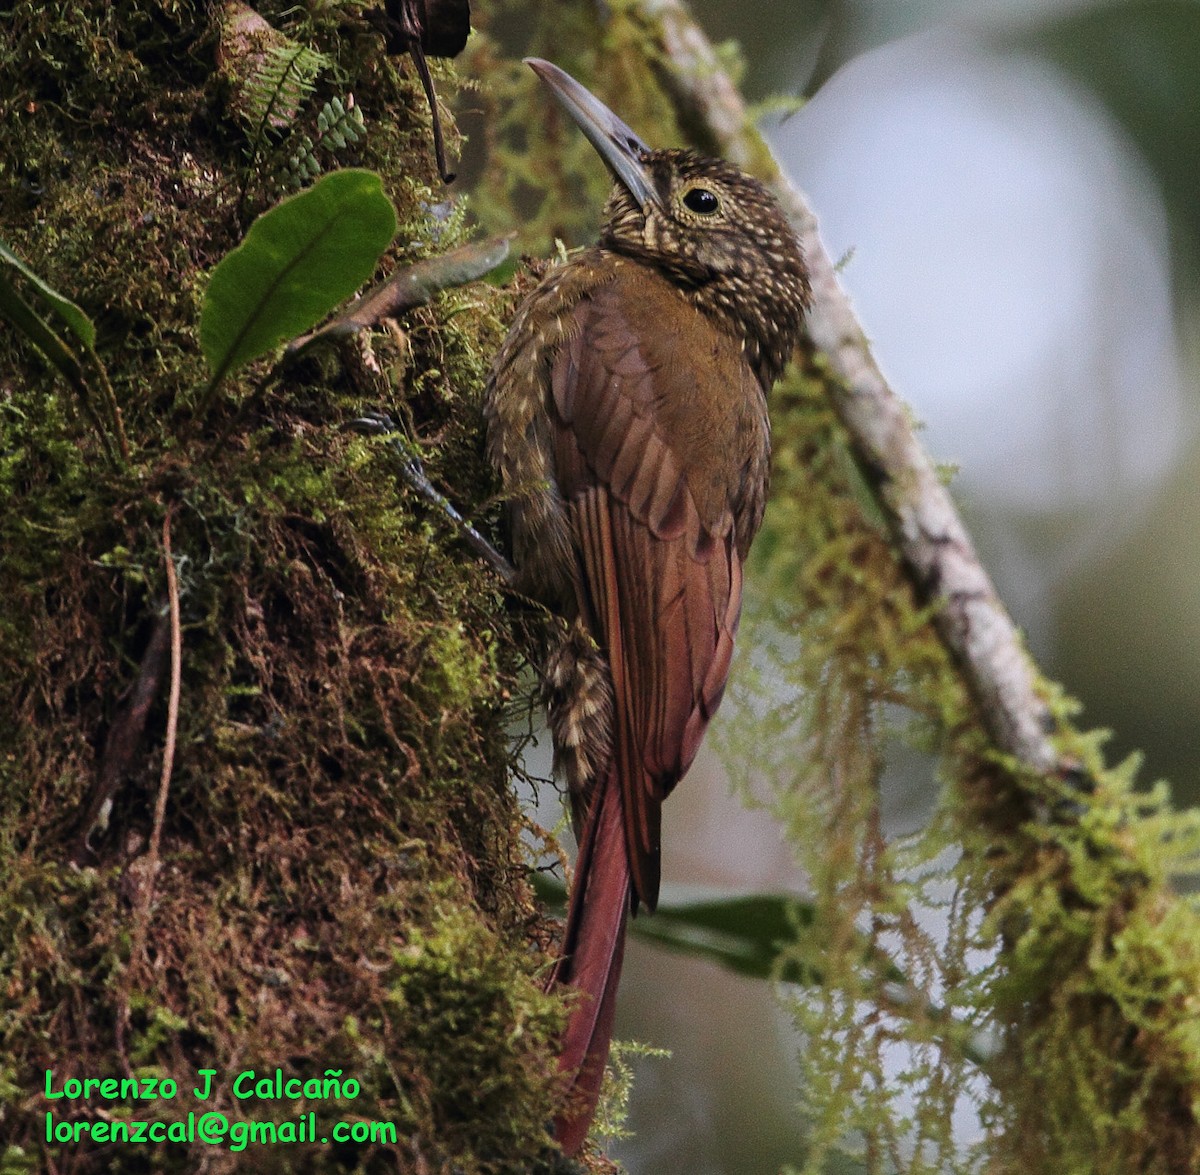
{"x": 342, "y": 881}
{"x": 454, "y": 989}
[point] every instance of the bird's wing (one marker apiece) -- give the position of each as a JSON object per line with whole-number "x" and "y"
{"x": 661, "y": 575}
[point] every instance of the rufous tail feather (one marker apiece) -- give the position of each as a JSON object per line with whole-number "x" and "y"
{"x": 593, "y": 948}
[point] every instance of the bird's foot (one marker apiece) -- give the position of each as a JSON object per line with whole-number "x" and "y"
{"x": 413, "y": 472}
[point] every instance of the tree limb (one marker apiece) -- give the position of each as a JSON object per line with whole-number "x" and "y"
{"x": 925, "y": 525}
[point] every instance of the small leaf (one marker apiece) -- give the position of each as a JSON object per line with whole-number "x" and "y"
{"x": 72, "y": 317}
{"x": 58, "y": 349}
{"x": 298, "y": 261}
{"x": 411, "y": 285}
{"x": 40, "y": 333}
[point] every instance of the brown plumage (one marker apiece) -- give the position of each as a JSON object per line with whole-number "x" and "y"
{"x": 627, "y": 417}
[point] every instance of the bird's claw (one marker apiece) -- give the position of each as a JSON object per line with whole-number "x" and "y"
{"x": 380, "y": 424}
{"x": 377, "y": 423}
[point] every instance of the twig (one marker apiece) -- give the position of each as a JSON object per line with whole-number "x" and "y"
{"x": 439, "y": 144}
{"x": 149, "y": 871}
{"x": 168, "y": 763}
{"x": 925, "y": 525}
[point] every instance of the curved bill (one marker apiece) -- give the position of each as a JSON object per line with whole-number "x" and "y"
{"x": 616, "y": 142}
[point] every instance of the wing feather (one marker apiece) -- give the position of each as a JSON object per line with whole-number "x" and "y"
{"x": 660, "y": 581}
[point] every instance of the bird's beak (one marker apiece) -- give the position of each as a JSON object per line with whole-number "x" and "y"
{"x": 618, "y": 145}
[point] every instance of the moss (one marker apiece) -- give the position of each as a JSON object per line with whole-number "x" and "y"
{"x": 341, "y": 882}
{"x": 1064, "y": 940}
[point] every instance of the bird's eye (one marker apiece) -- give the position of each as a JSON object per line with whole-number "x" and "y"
{"x": 701, "y": 201}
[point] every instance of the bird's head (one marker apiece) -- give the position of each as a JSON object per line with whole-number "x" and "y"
{"x": 710, "y": 228}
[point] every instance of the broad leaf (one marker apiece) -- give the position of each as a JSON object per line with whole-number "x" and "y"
{"x": 298, "y": 261}
{"x": 747, "y": 934}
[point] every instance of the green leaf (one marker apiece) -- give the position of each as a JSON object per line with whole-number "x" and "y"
{"x": 298, "y": 261}
{"x": 72, "y": 317}
{"x": 746, "y": 934}
{"x": 39, "y": 332}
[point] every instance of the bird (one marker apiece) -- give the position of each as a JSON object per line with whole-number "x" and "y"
{"x": 626, "y": 416}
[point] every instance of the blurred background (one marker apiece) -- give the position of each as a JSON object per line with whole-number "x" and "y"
{"x": 1015, "y": 186}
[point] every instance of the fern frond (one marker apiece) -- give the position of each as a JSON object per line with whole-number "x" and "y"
{"x": 339, "y": 124}
{"x": 271, "y": 98}
{"x": 281, "y": 83}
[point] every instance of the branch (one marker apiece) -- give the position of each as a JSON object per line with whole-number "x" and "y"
{"x": 925, "y": 525}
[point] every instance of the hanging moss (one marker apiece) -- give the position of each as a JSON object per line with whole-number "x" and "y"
{"x": 1058, "y": 1001}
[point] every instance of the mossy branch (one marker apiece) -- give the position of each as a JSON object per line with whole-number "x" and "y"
{"x": 924, "y": 522}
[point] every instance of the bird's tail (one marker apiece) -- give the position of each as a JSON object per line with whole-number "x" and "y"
{"x": 593, "y": 948}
